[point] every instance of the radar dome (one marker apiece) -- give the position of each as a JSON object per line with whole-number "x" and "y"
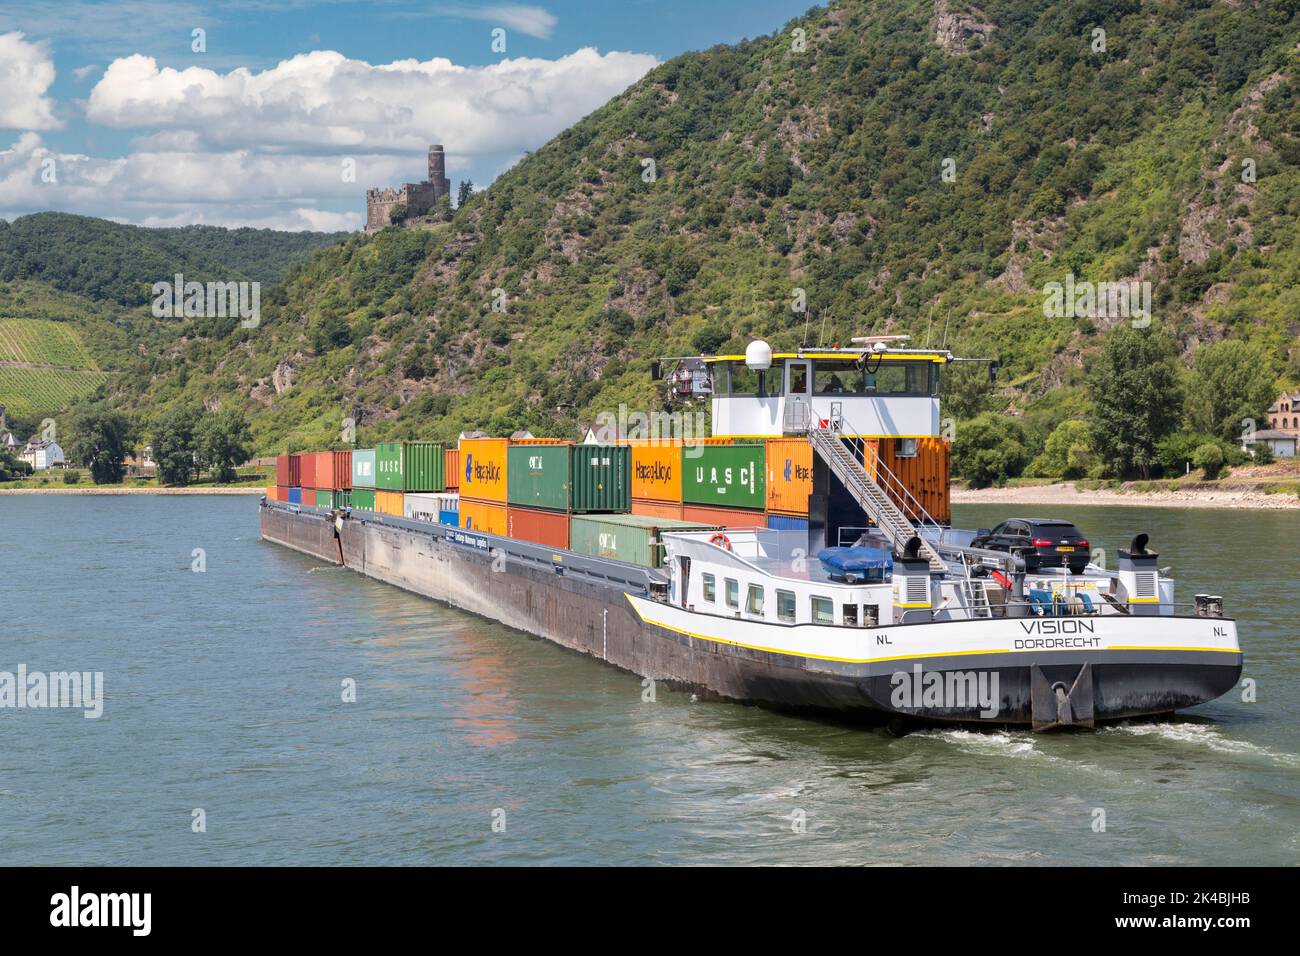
{"x": 758, "y": 355}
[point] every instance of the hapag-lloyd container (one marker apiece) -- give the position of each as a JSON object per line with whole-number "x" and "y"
{"x": 549, "y": 528}
{"x": 657, "y": 472}
{"x": 363, "y": 468}
{"x": 409, "y": 466}
{"x": 789, "y": 475}
{"x": 483, "y": 463}
{"x": 670, "y": 510}
{"x": 486, "y": 516}
{"x": 363, "y": 499}
{"x": 731, "y": 476}
{"x": 636, "y": 539}
{"x": 724, "y": 517}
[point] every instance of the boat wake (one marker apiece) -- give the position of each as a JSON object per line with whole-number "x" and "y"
{"x": 1207, "y": 736}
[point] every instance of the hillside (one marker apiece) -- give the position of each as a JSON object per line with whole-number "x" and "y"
{"x": 821, "y": 170}
{"x": 108, "y": 261}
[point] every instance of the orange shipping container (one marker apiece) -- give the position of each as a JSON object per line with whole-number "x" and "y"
{"x": 451, "y": 466}
{"x": 925, "y": 474}
{"x": 550, "y": 528}
{"x": 657, "y": 472}
{"x": 273, "y": 493}
{"x": 657, "y": 509}
{"x": 789, "y": 475}
{"x": 389, "y": 503}
{"x": 724, "y": 517}
{"x": 483, "y": 470}
{"x": 483, "y": 516}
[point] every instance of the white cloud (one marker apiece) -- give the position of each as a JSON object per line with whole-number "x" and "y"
{"x": 323, "y": 101}
{"x": 82, "y": 72}
{"x": 534, "y": 21}
{"x": 26, "y": 73}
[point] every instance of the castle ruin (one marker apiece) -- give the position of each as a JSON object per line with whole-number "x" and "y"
{"x": 418, "y": 198}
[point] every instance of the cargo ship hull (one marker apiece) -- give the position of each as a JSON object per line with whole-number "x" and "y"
{"x": 605, "y": 609}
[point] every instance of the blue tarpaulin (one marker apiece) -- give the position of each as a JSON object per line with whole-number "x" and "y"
{"x": 868, "y": 564}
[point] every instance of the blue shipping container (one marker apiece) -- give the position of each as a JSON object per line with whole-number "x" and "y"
{"x": 786, "y": 523}
{"x": 451, "y": 518}
{"x": 295, "y": 496}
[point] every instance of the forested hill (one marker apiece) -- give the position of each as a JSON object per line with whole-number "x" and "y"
{"x": 108, "y": 261}
{"x": 919, "y": 166}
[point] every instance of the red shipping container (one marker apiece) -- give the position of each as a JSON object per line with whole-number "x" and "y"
{"x": 307, "y": 470}
{"x": 282, "y": 491}
{"x": 309, "y": 495}
{"x": 549, "y": 528}
{"x": 342, "y": 464}
{"x": 295, "y": 472}
{"x": 451, "y": 462}
{"x": 724, "y": 517}
{"x": 657, "y": 509}
{"x": 282, "y": 471}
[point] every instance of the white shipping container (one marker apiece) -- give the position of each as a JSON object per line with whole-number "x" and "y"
{"x": 428, "y": 506}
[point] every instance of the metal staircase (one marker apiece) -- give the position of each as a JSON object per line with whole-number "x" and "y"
{"x": 879, "y": 506}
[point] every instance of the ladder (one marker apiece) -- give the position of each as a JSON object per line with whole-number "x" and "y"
{"x": 863, "y": 487}
{"x": 977, "y": 598}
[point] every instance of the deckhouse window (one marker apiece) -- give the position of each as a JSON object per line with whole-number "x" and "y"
{"x": 754, "y": 600}
{"x": 710, "y": 588}
{"x": 823, "y": 610}
{"x": 743, "y": 380}
{"x": 878, "y": 378}
{"x": 785, "y": 606}
{"x": 733, "y": 593}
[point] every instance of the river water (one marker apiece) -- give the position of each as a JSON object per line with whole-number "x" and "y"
{"x": 223, "y": 693}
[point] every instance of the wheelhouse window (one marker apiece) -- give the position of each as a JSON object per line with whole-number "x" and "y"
{"x": 710, "y": 588}
{"x": 823, "y": 610}
{"x": 733, "y": 593}
{"x": 741, "y": 380}
{"x": 785, "y": 608}
{"x": 880, "y": 378}
{"x": 754, "y": 600}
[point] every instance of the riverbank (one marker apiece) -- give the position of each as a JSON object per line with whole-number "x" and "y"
{"x": 139, "y": 490}
{"x": 1189, "y": 496}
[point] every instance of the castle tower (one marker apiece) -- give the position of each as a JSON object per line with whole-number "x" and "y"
{"x": 438, "y": 171}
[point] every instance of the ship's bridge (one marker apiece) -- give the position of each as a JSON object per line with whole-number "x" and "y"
{"x": 871, "y": 392}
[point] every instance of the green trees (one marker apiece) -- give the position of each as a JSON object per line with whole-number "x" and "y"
{"x": 11, "y": 467}
{"x": 222, "y": 441}
{"x": 1231, "y": 381}
{"x": 989, "y": 449}
{"x": 464, "y": 192}
{"x": 188, "y": 440}
{"x": 1066, "y": 453}
{"x": 174, "y": 446}
{"x": 1137, "y": 398}
{"x": 101, "y": 439}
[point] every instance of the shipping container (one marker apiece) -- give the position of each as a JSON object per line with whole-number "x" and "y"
{"x": 483, "y": 463}
{"x": 409, "y": 466}
{"x": 363, "y": 468}
{"x": 308, "y": 497}
{"x": 343, "y": 498}
{"x": 602, "y": 478}
{"x": 325, "y": 498}
{"x": 275, "y": 493}
{"x": 922, "y": 465}
{"x": 636, "y": 539}
{"x": 363, "y": 499}
{"x": 451, "y": 468}
{"x": 657, "y": 472}
{"x": 779, "y": 522}
{"x": 293, "y": 476}
{"x": 295, "y": 496}
{"x": 730, "y": 476}
{"x": 563, "y": 477}
{"x": 307, "y": 470}
{"x": 540, "y": 476}
{"x": 724, "y": 517}
{"x": 389, "y": 503}
{"x": 342, "y": 469}
{"x": 333, "y": 469}
{"x": 282, "y": 471}
{"x": 451, "y": 518}
{"x": 549, "y": 528}
{"x": 486, "y": 516}
{"x": 789, "y": 475}
{"x": 430, "y": 506}
{"x": 671, "y": 510}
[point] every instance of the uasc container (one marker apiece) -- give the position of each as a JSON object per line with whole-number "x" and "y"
{"x": 731, "y": 476}
{"x": 483, "y": 466}
{"x": 486, "y": 516}
{"x": 657, "y": 472}
{"x": 724, "y": 517}
{"x": 325, "y": 498}
{"x": 409, "y": 466}
{"x": 363, "y": 468}
{"x": 549, "y": 528}
{"x": 636, "y": 539}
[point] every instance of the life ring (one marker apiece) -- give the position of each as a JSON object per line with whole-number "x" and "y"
{"x": 1001, "y": 578}
{"x": 721, "y": 539}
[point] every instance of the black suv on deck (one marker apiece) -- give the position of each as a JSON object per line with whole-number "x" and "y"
{"x": 1042, "y": 542}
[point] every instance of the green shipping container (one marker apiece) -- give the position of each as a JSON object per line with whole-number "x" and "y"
{"x": 363, "y": 499}
{"x": 343, "y": 498}
{"x": 410, "y": 466}
{"x": 325, "y": 499}
{"x": 730, "y": 476}
{"x": 631, "y": 538}
{"x": 576, "y": 478}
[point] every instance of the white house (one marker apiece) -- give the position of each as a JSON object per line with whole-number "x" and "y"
{"x": 1281, "y": 444}
{"x": 42, "y": 453}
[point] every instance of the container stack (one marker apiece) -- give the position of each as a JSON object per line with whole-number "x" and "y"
{"x": 363, "y": 479}
{"x": 715, "y": 483}
{"x": 550, "y": 482}
{"x": 482, "y": 473}
{"x": 406, "y": 466}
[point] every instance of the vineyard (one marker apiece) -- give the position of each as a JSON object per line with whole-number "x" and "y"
{"x": 44, "y": 366}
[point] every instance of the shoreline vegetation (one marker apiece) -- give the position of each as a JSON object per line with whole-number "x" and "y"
{"x": 138, "y": 490}
{"x": 1148, "y": 494}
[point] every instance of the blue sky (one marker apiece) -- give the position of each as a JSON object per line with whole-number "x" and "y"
{"x": 106, "y": 110}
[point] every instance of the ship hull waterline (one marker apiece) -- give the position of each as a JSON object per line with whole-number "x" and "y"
{"x": 617, "y": 622}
